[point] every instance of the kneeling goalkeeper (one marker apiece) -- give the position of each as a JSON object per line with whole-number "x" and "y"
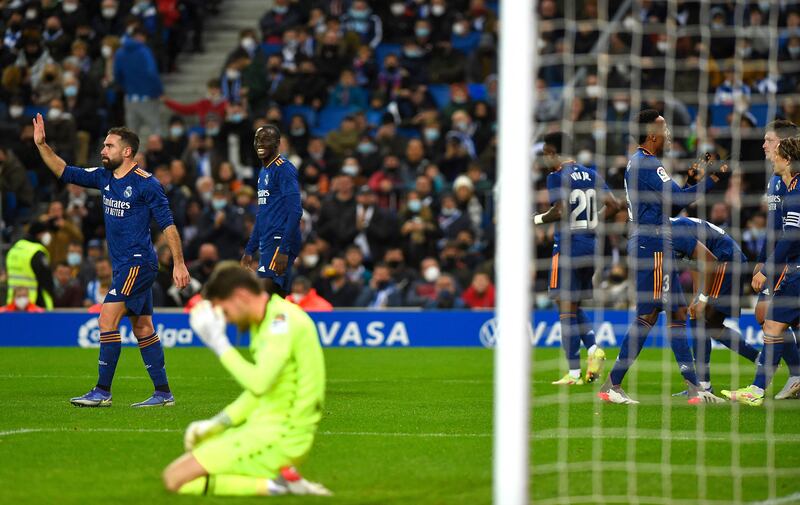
{"x": 250, "y": 447}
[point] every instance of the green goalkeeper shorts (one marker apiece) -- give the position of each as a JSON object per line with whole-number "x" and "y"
{"x": 256, "y": 451}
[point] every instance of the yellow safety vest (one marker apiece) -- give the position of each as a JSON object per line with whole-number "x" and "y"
{"x": 20, "y": 271}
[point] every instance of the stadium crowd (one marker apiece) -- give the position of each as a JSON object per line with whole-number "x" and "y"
{"x": 389, "y": 112}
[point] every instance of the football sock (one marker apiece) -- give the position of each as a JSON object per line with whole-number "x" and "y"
{"x": 676, "y": 333}
{"x": 153, "y": 357}
{"x": 768, "y": 360}
{"x": 110, "y": 348}
{"x": 701, "y": 348}
{"x": 575, "y": 373}
{"x": 734, "y": 341}
{"x": 630, "y": 348}
{"x": 790, "y": 353}
{"x": 228, "y": 485}
{"x": 585, "y": 329}
{"x": 571, "y": 340}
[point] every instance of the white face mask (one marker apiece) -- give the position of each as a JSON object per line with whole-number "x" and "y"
{"x": 662, "y": 46}
{"x": 16, "y": 111}
{"x": 109, "y": 12}
{"x": 54, "y": 114}
{"x": 593, "y": 91}
{"x": 437, "y": 10}
{"x": 621, "y": 107}
{"x": 398, "y": 8}
{"x": 585, "y": 157}
{"x": 431, "y": 274}
{"x": 298, "y": 297}
{"x": 249, "y": 43}
{"x": 21, "y": 302}
{"x": 69, "y": 8}
{"x": 232, "y": 73}
{"x": 106, "y": 51}
{"x": 310, "y": 260}
{"x": 46, "y": 239}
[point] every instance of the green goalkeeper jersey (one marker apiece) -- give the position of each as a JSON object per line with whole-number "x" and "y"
{"x": 285, "y": 385}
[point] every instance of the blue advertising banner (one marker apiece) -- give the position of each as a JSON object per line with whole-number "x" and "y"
{"x": 342, "y": 329}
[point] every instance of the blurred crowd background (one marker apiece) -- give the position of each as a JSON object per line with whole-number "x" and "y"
{"x": 388, "y": 110}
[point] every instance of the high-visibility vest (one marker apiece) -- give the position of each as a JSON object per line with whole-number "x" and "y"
{"x": 20, "y": 271}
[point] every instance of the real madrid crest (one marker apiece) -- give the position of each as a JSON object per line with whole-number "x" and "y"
{"x": 128, "y": 192}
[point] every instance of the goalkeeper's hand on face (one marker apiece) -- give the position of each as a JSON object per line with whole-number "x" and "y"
{"x": 198, "y": 431}
{"x": 208, "y": 323}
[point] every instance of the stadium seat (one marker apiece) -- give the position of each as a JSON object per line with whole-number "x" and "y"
{"x": 331, "y": 117}
{"x": 719, "y": 115}
{"x": 32, "y": 110}
{"x": 477, "y": 91}
{"x": 271, "y": 48}
{"x": 382, "y": 50}
{"x": 308, "y": 113}
{"x": 440, "y": 93}
{"x": 761, "y": 113}
{"x": 409, "y": 133}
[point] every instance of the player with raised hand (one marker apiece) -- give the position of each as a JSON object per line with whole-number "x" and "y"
{"x": 652, "y": 198}
{"x": 581, "y": 189}
{"x": 783, "y": 310}
{"x": 276, "y": 234}
{"x": 720, "y": 259}
{"x": 131, "y": 198}
{"x": 249, "y": 448}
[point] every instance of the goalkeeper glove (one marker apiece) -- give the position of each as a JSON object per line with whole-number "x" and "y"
{"x": 208, "y": 324}
{"x": 198, "y": 431}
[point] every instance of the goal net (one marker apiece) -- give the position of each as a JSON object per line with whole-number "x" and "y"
{"x": 718, "y": 72}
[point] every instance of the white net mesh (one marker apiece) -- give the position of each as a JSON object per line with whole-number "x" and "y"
{"x": 718, "y": 72}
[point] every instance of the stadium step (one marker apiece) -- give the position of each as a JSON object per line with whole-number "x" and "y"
{"x": 220, "y": 38}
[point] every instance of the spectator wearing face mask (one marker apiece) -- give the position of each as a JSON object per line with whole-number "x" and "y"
{"x": 81, "y": 268}
{"x": 308, "y": 262}
{"x": 480, "y": 294}
{"x": 361, "y": 21}
{"x": 21, "y": 302}
{"x": 445, "y": 295}
{"x": 423, "y": 290}
{"x": 110, "y": 20}
{"x": 207, "y": 259}
{"x": 28, "y": 266}
{"x": 276, "y": 21}
{"x": 381, "y": 292}
{"x": 67, "y": 291}
{"x": 222, "y": 224}
{"x": 335, "y": 286}
{"x": 63, "y": 231}
{"x": 307, "y": 297}
{"x": 213, "y": 103}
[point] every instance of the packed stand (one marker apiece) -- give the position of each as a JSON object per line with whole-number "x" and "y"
{"x": 388, "y": 111}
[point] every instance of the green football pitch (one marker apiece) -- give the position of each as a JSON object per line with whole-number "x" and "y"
{"x": 401, "y": 426}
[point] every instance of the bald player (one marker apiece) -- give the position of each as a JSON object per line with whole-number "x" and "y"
{"x": 276, "y": 234}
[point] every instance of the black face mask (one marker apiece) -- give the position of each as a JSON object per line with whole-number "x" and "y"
{"x": 393, "y": 264}
{"x": 383, "y": 285}
{"x": 616, "y": 279}
{"x": 209, "y": 264}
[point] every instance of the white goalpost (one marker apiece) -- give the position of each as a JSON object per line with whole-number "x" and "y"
{"x": 513, "y": 352}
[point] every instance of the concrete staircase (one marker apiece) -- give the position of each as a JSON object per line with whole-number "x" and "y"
{"x": 221, "y": 37}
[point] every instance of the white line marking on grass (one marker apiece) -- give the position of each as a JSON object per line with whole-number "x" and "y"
{"x": 792, "y": 498}
{"x": 541, "y": 435}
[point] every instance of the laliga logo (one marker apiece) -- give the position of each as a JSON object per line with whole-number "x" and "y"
{"x": 89, "y": 335}
{"x": 488, "y": 333}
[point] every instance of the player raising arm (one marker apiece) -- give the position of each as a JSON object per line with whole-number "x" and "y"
{"x": 248, "y": 448}
{"x": 652, "y": 198}
{"x": 131, "y": 198}
{"x": 570, "y": 183}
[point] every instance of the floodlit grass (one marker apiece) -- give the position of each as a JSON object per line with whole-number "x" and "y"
{"x": 401, "y": 426}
